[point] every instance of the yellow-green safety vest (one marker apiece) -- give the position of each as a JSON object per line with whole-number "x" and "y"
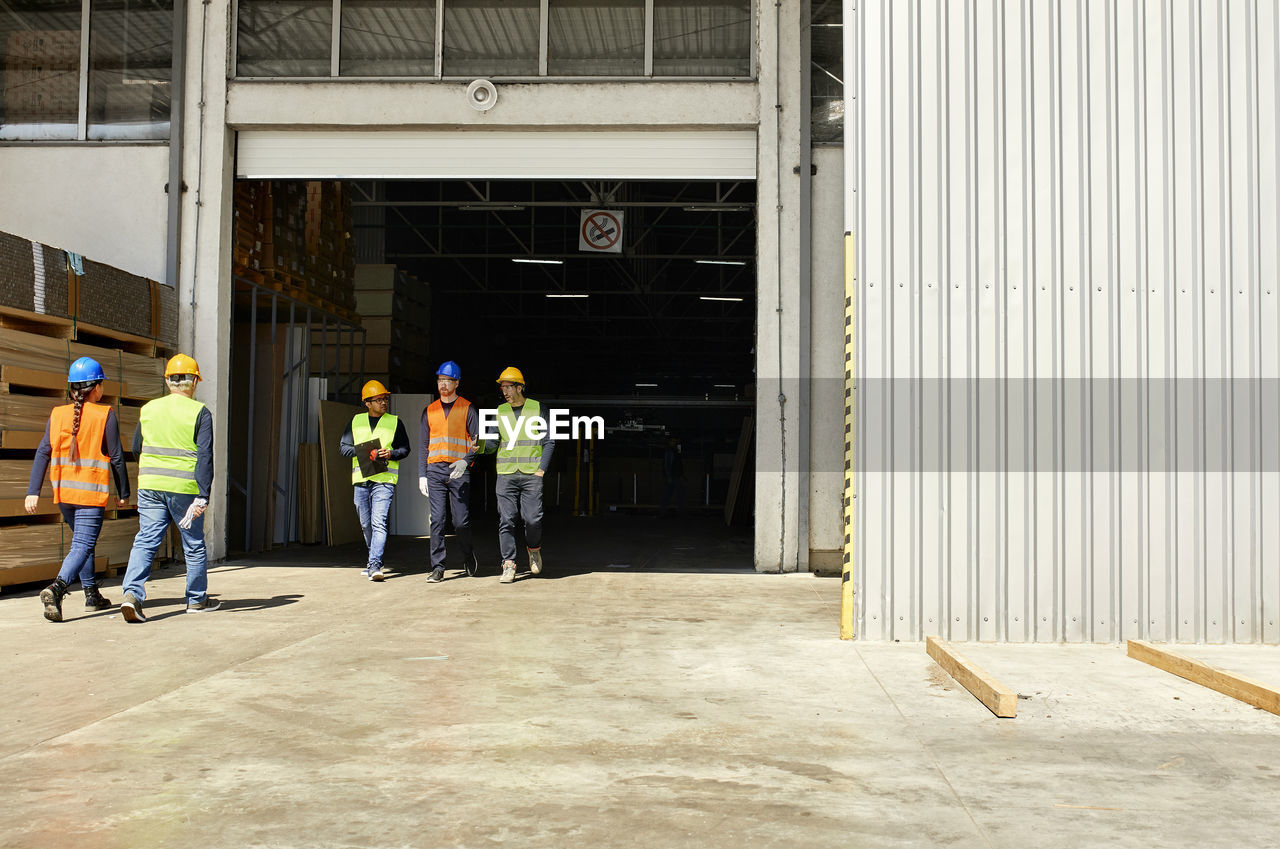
{"x": 526, "y": 456}
{"x": 385, "y": 432}
{"x": 168, "y": 459}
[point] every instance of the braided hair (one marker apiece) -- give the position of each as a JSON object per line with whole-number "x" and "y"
{"x": 79, "y": 392}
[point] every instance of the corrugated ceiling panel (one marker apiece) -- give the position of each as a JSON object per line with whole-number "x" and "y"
{"x": 648, "y": 155}
{"x": 1068, "y": 331}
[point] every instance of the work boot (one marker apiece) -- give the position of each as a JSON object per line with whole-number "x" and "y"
{"x": 535, "y": 561}
{"x": 131, "y": 609}
{"x": 436, "y": 576}
{"x": 51, "y": 597}
{"x": 508, "y": 572}
{"x": 94, "y": 600}
{"x": 473, "y": 564}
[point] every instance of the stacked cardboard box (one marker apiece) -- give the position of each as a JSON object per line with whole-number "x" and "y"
{"x": 297, "y": 235}
{"x": 395, "y": 309}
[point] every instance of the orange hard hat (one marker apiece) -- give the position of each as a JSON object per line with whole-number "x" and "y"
{"x": 373, "y": 389}
{"x": 181, "y": 364}
{"x": 512, "y": 374}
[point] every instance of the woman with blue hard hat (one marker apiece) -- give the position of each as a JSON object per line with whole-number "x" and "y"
{"x": 80, "y": 450}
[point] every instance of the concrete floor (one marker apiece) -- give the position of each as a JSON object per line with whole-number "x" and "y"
{"x": 660, "y": 705}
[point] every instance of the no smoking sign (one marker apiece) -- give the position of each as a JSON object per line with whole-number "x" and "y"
{"x": 600, "y": 231}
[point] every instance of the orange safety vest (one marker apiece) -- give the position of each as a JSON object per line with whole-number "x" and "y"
{"x": 449, "y": 438}
{"x": 83, "y": 481}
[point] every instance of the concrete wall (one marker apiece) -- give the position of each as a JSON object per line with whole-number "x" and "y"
{"x": 104, "y": 201}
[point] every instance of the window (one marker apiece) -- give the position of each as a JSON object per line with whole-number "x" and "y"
{"x": 466, "y": 39}
{"x": 388, "y": 38}
{"x": 707, "y": 39}
{"x": 491, "y": 38}
{"x": 40, "y": 70}
{"x": 284, "y": 38}
{"x": 601, "y": 38}
{"x": 130, "y": 64}
{"x": 826, "y": 73}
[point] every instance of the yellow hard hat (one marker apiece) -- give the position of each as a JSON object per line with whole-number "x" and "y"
{"x": 181, "y": 364}
{"x": 373, "y": 389}
{"x": 512, "y": 374}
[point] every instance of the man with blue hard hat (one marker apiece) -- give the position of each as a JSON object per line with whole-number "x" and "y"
{"x": 450, "y": 425}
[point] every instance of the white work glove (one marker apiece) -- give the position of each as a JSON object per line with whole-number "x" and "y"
{"x": 456, "y": 469}
{"x": 422, "y": 485}
{"x": 191, "y": 515}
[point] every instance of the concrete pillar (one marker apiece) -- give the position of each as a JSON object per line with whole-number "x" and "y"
{"x": 204, "y": 286}
{"x": 781, "y": 427}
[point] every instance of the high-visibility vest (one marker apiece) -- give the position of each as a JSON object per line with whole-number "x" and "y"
{"x": 82, "y": 481}
{"x": 449, "y": 440}
{"x": 385, "y": 432}
{"x": 168, "y": 459}
{"x": 526, "y": 455}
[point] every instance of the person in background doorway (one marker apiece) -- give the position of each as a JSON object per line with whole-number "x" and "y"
{"x": 80, "y": 450}
{"x": 449, "y": 428}
{"x": 522, "y": 461}
{"x": 672, "y": 477}
{"x": 373, "y": 493}
{"x": 174, "y": 447}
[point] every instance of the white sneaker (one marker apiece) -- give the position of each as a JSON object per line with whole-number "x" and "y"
{"x": 535, "y": 561}
{"x": 508, "y": 573}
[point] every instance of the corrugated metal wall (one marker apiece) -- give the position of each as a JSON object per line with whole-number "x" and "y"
{"x": 1068, "y": 333}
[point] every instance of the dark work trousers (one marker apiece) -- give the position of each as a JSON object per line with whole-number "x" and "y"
{"x": 519, "y": 497}
{"x": 457, "y": 492}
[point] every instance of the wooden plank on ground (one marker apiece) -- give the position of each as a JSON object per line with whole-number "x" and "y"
{"x": 341, "y": 522}
{"x": 1197, "y": 671}
{"x": 1001, "y": 701}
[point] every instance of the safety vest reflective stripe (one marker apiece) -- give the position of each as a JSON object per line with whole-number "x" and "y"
{"x": 525, "y": 454}
{"x": 88, "y": 487}
{"x": 82, "y": 462}
{"x": 169, "y": 451}
{"x": 84, "y": 480}
{"x": 385, "y": 432}
{"x": 168, "y": 473}
{"x": 449, "y": 440}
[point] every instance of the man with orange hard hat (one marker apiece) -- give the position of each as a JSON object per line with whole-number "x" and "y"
{"x": 449, "y": 428}
{"x": 174, "y": 447}
{"x": 383, "y": 441}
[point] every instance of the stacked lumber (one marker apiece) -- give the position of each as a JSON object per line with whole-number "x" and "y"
{"x": 395, "y": 310}
{"x": 295, "y": 238}
{"x": 33, "y": 375}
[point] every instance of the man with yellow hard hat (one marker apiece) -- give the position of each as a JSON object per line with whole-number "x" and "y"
{"x": 174, "y": 447}
{"x": 383, "y": 442}
{"x": 523, "y": 459}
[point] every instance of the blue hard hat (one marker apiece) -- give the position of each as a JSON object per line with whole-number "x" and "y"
{"x": 85, "y": 370}
{"x": 449, "y": 369}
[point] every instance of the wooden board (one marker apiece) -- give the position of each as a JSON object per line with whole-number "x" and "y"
{"x": 341, "y": 523}
{"x": 740, "y": 458}
{"x": 143, "y": 376}
{"x": 19, "y": 376}
{"x": 998, "y": 698}
{"x": 44, "y": 572}
{"x": 1197, "y": 671}
{"x": 310, "y": 494}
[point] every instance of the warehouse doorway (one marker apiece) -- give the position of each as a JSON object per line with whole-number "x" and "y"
{"x": 654, "y": 340}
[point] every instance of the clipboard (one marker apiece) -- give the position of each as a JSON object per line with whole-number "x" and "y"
{"x": 369, "y": 468}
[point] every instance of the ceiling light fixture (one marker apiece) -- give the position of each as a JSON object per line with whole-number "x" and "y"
{"x": 719, "y": 262}
{"x": 717, "y": 298}
{"x": 538, "y": 261}
{"x": 491, "y": 207}
{"x": 646, "y": 386}
{"x": 724, "y": 386}
{"x": 564, "y": 295}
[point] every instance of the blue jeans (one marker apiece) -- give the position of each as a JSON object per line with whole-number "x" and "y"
{"x": 373, "y": 504}
{"x": 155, "y": 510}
{"x": 86, "y": 524}
{"x": 519, "y": 495}
{"x": 457, "y": 492}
